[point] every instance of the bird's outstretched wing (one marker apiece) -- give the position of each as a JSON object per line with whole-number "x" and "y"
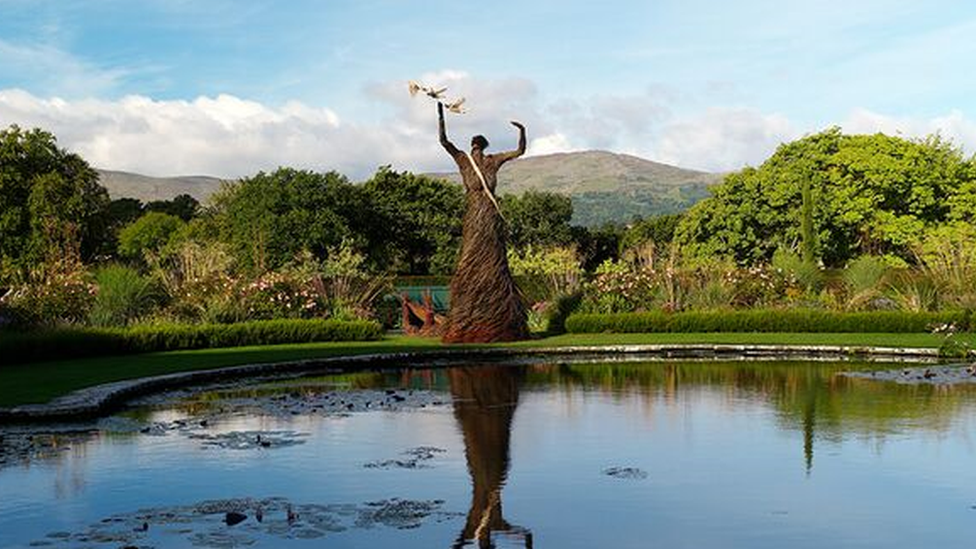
{"x": 456, "y": 107}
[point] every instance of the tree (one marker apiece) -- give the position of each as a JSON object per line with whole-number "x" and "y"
{"x": 658, "y": 229}
{"x": 123, "y": 211}
{"x": 537, "y": 218}
{"x": 868, "y": 194}
{"x": 49, "y": 199}
{"x": 422, "y": 216}
{"x": 183, "y": 206}
{"x": 150, "y": 233}
{"x": 598, "y": 244}
{"x": 267, "y": 219}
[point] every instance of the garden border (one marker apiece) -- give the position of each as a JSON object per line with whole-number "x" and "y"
{"x": 101, "y": 399}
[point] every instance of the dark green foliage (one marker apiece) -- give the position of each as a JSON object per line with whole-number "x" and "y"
{"x": 49, "y": 199}
{"x": 537, "y": 218}
{"x": 795, "y": 320}
{"x": 596, "y": 245}
{"x": 561, "y": 309}
{"x": 123, "y": 211}
{"x": 421, "y": 219}
{"x": 267, "y": 219}
{"x": 869, "y": 194}
{"x": 66, "y": 343}
{"x": 183, "y": 206}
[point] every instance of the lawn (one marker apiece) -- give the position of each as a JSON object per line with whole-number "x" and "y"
{"x": 43, "y": 381}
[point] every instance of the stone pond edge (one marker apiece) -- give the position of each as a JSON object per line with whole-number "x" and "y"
{"x": 100, "y": 399}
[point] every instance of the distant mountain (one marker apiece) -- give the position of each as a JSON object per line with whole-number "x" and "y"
{"x": 146, "y": 188}
{"x": 604, "y": 186}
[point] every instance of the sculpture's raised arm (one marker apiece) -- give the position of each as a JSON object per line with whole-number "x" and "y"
{"x": 504, "y": 157}
{"x": 442, "y": 130}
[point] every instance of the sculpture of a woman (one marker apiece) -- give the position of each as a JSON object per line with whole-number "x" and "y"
{"x": 486, "y": 304}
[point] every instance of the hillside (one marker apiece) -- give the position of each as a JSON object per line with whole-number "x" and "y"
{"x": 606, "y": 186}
{"x": 146, "y": 188}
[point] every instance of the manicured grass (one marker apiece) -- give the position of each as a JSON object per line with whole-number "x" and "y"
{"x": 43, "y": 381}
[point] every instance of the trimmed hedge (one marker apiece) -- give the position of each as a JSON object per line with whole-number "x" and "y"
{"x": 63, "y": 343}
{"x": 794, "y": 320}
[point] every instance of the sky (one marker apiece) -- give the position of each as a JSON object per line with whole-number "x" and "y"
{"x": 231, "y": 87}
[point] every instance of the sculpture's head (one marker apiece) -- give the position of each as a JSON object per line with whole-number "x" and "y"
{"x": 479, "y": 143}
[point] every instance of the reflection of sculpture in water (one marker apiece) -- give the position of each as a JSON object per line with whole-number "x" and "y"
{"x": 486, "y": 305}
{"x": 485, "y": 399}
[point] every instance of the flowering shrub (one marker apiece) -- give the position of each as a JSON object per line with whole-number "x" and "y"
{"x": 761, "y": 285}
{"x": 57, "y": 292}
{"x": 616, "y": 288}
{"x": 278, "y": 295}
{"x": 211, "y": 298}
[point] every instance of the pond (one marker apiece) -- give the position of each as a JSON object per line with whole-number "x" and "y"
{"x": 530, "y": 454}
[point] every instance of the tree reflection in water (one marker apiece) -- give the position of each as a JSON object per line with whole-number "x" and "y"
{"x": 485, "y": 398}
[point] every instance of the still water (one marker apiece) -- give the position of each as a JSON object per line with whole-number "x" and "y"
{"x": 661, "y": 454}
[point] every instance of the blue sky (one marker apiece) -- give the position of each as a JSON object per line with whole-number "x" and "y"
{"x": 229, "y": 87}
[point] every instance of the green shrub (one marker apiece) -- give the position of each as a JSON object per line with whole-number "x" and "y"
{"x": 862, "y": 281}
{"x": 807, "y": 274}
{"x": 766, "y": 320}
{"x": 562, "y": 307}
{"x": 123, "y": 296}
{"x": 63, "y": 343}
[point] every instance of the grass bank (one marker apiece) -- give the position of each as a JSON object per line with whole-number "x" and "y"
{"x": 43, "y": 381}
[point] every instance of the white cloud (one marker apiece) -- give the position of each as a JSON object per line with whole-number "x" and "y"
{"x": 229, "y": 136}
{"x": 954, "y": 126}
{"x": 548, "y": 144}
{"x": 225, "y": 135}
{"x": 722, "y": 139}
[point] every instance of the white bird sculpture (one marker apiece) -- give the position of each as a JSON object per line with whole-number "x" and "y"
{"x": 437, "y": 94}
{"x": 456, "y": 106}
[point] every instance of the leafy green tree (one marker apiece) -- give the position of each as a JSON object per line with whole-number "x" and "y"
{"x": 267, "y": 219}
{"x": 658, "y": 229}
{"x": 123, "y": 211}
{"x": 868, "y": 194}
{"x": 962, "y": 203}
{"x": 537, "y": 219}
{"x": 149, "y": 234}
{"x": 183, "y": 206}
{"x": 49, "y": 199}
{"x": 422, "y": 216}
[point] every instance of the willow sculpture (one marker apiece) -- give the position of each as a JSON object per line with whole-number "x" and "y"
{"x": 486, "y": 304}
{"x": 485, "y": 398}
